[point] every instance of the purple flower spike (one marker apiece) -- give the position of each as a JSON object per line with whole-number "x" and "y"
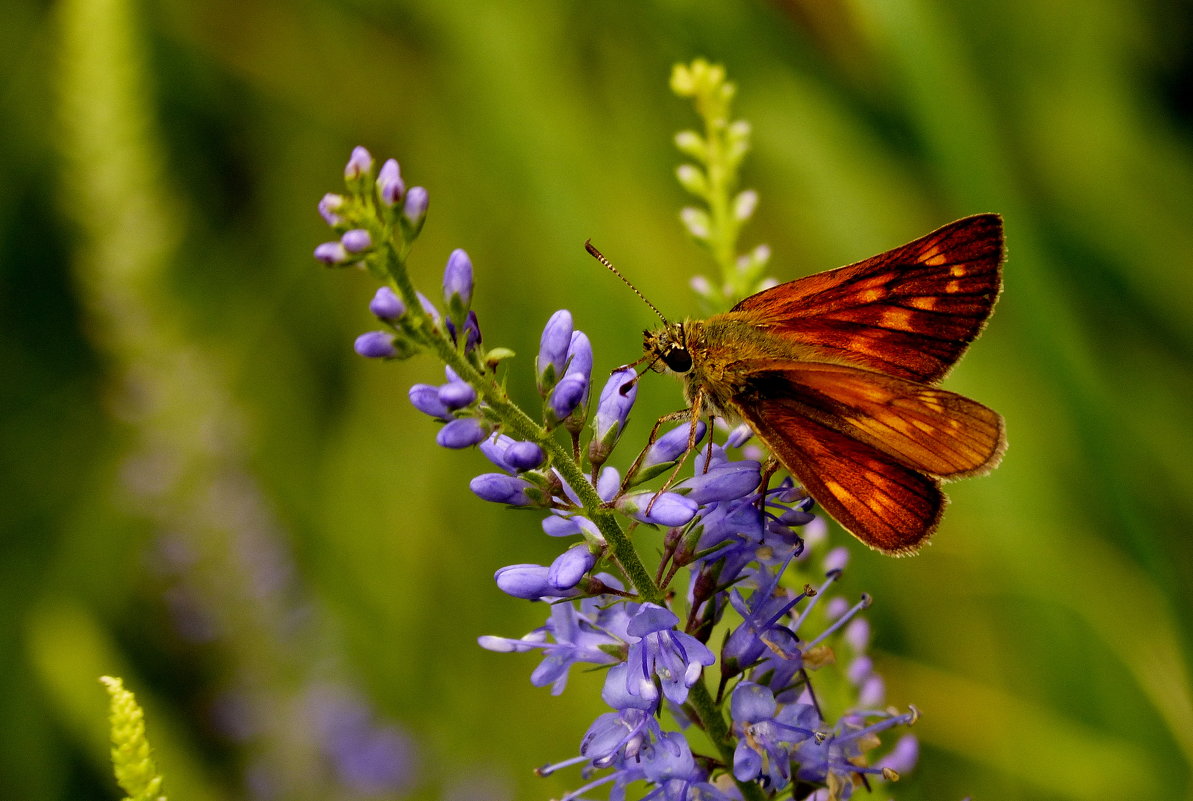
{"x": 500, "y": 488}
{"x": 462, "y": 433}
{"x": 356, "y": 240}
{"x": 389, "y": 183}
{"x": 333, "y": 253}
{"x": 375, "y": 345}
{"x": 359, "y": 163}
{"x": 386, "y": 305}
{"x": 457, "y": 280}
{"x": 329, "y": 208}
{"x": 553, "y": 349}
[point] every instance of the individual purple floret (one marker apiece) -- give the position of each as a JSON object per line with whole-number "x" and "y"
{"x": 376, "y": 345}
{"x": 463, "y": 432}
{"x": 332, "y": 253}
{"x": 390, "y": 188}
{"x": 529, "y": 582}
{"x": 329, "y": 208}
{"x": 457, "y": 282}
{"x": 553, "y": 349}
{"x": 414, "y": 210}
{"x": 356, "y": 241}
{"x": 660, "y": 653}
{"x": 360, "y": 163}
{"x": 502, "y": 488}
{"x": 571, "y": 566}
{"x": 613, "y": 408}
{"x": 386, "y": 305}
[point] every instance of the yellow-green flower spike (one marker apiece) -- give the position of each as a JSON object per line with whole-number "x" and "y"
{"x": 131, "y": 756}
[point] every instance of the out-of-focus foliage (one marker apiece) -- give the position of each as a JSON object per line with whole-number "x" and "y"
{"x": 204, "y": 488}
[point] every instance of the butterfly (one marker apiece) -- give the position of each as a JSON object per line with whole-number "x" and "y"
{"x": 836, "y": 374}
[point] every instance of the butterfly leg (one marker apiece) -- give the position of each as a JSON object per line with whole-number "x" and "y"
{"x": 694, "y": 426}
{"x": 670, "y": 417}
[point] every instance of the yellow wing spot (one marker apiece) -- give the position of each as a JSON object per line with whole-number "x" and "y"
{"x": 952, "y": 286}
{"x": 836, "y": 489}
{"x": 933, "y": 257}
{"x": 932, "y": 403}
{"x": 872, "y": 295}
{"x": 925, "y": 302}
{"x": 959, "y": 270}
{"x": 897, "y": 319}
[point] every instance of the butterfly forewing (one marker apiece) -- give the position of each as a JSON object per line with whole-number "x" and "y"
{"x": 909, "y": 312}
{"x": 885, "y": 504}
{"x": 925, "y": 428}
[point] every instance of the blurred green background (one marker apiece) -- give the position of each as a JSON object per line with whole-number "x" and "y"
{"x": 206, "y": 492}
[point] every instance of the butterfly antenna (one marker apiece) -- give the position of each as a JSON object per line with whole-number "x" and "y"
{"x": 596, "y": 254}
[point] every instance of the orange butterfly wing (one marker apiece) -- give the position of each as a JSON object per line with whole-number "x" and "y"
{"x": 887, "y": 505}
{"x": 869, "y": 448}
{"x": 925, "y": 428}
{"x": 909, "y": 312}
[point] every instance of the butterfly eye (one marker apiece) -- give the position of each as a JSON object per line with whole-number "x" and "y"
{"x": 678, "y": 359}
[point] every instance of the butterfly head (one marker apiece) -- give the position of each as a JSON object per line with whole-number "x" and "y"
{"x": 668, "y": 348}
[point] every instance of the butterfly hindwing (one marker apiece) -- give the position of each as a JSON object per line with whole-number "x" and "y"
{"x": 925, "y": 428}
{"x": 909, "y": 312}
{"x": 887, "y": 505}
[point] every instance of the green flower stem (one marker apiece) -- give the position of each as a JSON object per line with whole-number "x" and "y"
{"x": 714, "y": 726}
{"x": 521, "y": 424}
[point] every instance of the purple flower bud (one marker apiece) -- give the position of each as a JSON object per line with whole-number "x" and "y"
{"x": 330, "y": 206}
{"x": 672, "y": 445}
{"x": 500, "y": 488}
{"x": 426, "y": 399}
{"x": 528, "y": 582}
{"x": 555, "y": 526}
{"x": 461, "y": 433}
{"x": 570, "y": 566}
{"x": 389, "y": 183}
{"x": 359, "y": 163}
{"x": 666, "y": 509}
{"x": 580, "y": 355}
{"x": 428, "y": 307}
{"x": 553, "y": 349}
{"x": 524, "y": 455}
{"x": 728, "y": 482}
{"x": 457, "y": 281}
{"x": 752, "y": 703}
{"x": 567, "y": 395}
{"x": 386, "y": 305}
{"x": 332, "y": 253}
{"x": 356, "y": 240}
{"x": 414, "y": 209}
{"x": 456, "y": 394}
{"x": 617, "y": 398}
{"x": 375, "y": 345}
